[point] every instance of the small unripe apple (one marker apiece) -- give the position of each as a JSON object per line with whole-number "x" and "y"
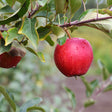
{"x": 74, "y": 57}
{"x": 12, "y": 58}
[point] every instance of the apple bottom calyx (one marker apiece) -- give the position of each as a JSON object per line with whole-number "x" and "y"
{"x": 74, "y": 57}
{"x": 12, "y": 58}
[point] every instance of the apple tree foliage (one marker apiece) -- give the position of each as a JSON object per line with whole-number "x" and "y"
{"x": 28, "y": 22}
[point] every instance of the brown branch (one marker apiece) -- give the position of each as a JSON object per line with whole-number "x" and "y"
{"x": 34, "y": 11}
{"x": 80, "y": 23}
{"x": 3, "y": 29}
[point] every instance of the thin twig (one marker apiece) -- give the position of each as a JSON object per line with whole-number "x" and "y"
{"x": 34, "y": 11}
{"x": 84, "y": 5}
{"x": 79, "y": 23}
{"x": 3, "y": 29}
{"x": 98, "y": 92}
{"x": 97, "y": 9}
{"x": 31, "y": 5}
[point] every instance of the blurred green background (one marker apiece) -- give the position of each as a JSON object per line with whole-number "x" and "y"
{"x": 31, "y": 77}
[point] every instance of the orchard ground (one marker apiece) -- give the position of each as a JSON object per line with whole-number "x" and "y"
{"x": 60, "y": 99}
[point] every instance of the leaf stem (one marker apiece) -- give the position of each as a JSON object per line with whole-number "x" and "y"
{"x": 35, "y": 108}
{"x": 67, "y": 32}
{"x": 7, "y": 97}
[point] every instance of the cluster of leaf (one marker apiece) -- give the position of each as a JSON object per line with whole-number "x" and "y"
{"x": 37, "y": 20}
{"x": 28, "y": 25}
{"x": 28, "y": 106}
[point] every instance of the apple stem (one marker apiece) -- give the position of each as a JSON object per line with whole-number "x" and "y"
{"x": 67, "y": 32}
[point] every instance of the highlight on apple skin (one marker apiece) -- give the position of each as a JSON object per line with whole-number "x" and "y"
{"x": 74, "y": 57}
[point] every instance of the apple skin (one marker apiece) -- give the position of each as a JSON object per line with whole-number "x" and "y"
{"x": 8, "y": 61}
{"x": 12, "y": 58}
{"x": 74, "y": 57}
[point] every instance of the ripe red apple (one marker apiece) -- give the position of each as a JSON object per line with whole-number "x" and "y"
{"x": 74, "y": 57}
{"x": 11, "y": 59}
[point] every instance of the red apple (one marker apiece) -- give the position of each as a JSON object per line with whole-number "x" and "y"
{"x": 74, "y": 57}
{"x": 11, "y": 59}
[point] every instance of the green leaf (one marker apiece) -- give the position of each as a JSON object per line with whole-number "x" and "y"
{"x": 105, "y": 11}
{"x": 62, "y": 40}
{"x": 21, "y": 1}
{"x": 108, "y": 88}
{"x": 85, "y": 13}
{"x": 18, "y": 24}
{"x": 8, "y": 98}
{"x": 84, "y": 0}
{"x": 90, "y": 86}
{"x": 39, "y": 54}
{"x": 6, "y": 10}
{"x": 1, "y": 1}
{"x": 4, "y": 48}
{"x": 58, "y": 31}
{"x": 18, "y": 14}
{"x": 3, "y": 35}
{"x": 44, "y": 32}
{"x": 41, "y": 14}
{"x": 29, "y": 104}
{"x": 87, "y": 84}
{"x": 73, "y": 6}
{"x": 93, "y": 84}
{"x": 50, "y": 41}
{"x": 60, "y": 6}
{"x": 109, "y": 2}
{"x": 105, "y": 72}
{"x": 42, "y": 2}
{"x": 71, "y": 95}
{"x": 104, "y": 25}
{"x": 72, "y": 28}
{"x": 88, "y": 103}
{"x": 10, "y": 94}
{"x": 12, "y": 34}
{"x": 56, "y": 110}
{"x": 10, "y": 2}
{"x": 28, "y": 29}
{"x": 1, "y": 98}
{"x": 35, "y": 108}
